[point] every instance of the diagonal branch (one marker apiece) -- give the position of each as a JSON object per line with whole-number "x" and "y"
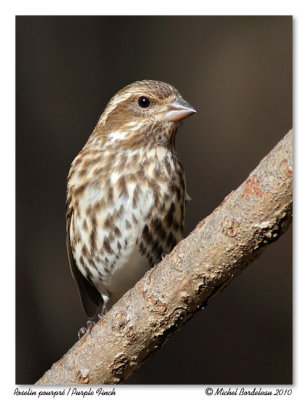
{"x": 199, "y": 267}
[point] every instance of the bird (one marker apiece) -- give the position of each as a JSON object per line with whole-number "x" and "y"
{"x": 126, "y": 193}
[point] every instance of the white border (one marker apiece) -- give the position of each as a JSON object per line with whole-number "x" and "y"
{"x": 7, "y": 167}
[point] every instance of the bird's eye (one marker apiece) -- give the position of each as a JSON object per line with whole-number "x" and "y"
{"x": 143, "y": 102}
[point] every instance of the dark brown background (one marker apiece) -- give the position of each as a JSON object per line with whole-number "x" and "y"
{"x": 237, "y": 72}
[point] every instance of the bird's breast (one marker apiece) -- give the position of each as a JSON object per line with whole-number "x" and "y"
{"x": 125, "y": 219}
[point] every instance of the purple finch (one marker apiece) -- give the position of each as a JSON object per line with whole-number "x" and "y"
{"x": 126, "y": 193}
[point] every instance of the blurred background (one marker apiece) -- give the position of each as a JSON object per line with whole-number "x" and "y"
{"x": 237, "y": 72}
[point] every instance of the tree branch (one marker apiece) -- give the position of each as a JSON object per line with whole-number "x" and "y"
{"x": 199, "y": 267}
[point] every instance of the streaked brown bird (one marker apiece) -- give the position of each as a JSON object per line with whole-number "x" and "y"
{"x": 126, "y": 193}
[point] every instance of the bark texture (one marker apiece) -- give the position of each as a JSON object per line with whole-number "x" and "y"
{"x": 200, "y": 266}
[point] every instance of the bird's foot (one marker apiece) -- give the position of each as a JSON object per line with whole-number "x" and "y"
{"x": 82, "y": 331}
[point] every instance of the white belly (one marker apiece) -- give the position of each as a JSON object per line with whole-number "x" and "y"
{"x": 126, "y": 274}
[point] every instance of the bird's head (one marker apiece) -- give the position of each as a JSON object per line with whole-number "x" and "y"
{"x": 144, "y": 111}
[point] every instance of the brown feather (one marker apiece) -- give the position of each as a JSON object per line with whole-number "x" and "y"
{"x": 90, "y": 297}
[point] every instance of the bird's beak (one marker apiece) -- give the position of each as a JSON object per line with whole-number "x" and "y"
{"x": 177, "y": 109}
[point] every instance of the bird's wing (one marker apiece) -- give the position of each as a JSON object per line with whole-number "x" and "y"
{"x": 90, "y": 297}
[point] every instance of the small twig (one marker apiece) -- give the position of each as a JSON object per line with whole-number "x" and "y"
{"x": 198, "y": 268}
